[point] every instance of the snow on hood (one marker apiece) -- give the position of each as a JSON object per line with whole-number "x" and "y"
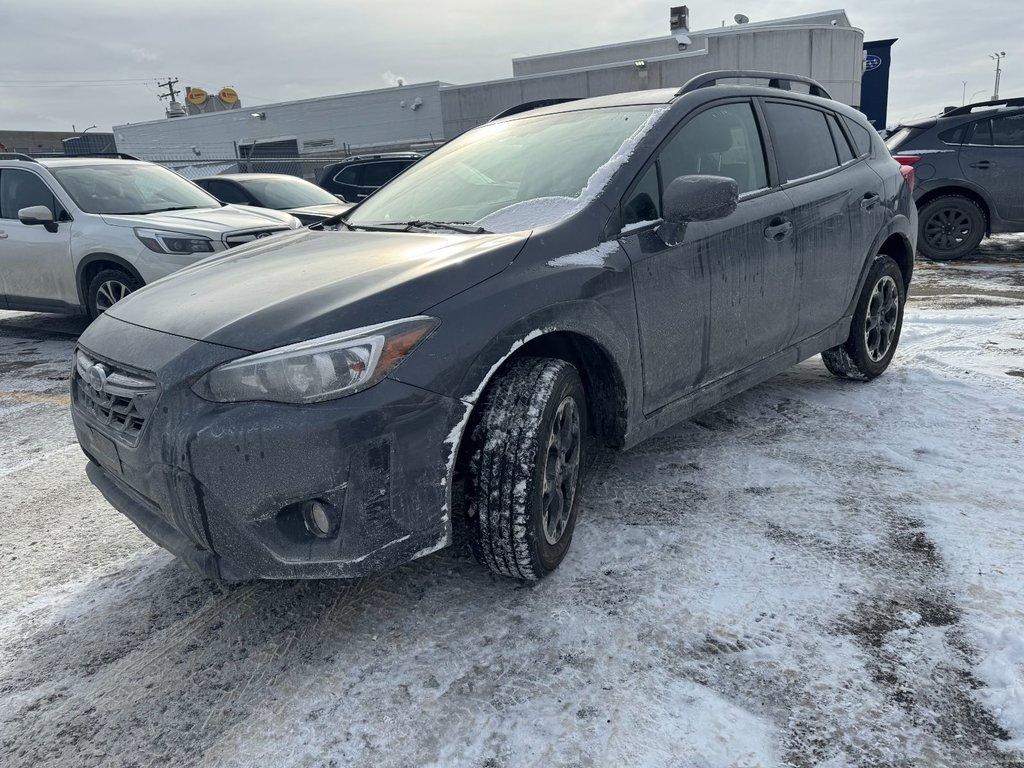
{"x": 543, "y": 211}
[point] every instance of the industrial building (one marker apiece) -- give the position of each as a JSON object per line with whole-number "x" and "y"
{"x": 824, "y": 46}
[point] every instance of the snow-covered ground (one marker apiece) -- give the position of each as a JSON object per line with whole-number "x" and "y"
{"x": 815, "y": 573}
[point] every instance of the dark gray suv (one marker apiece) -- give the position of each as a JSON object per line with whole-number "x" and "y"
{"x": 969, "y": 164}
{"x": 334, "y": 402}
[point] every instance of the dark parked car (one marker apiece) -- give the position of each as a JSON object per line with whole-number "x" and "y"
{"x": 305, "y": 201}
{"x": 969, "y": 164}
{"x": 356, "y": 178}
{"x": 333, "y": 402}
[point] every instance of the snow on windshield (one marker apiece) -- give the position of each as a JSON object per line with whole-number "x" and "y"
{"x": 542, "y": 211}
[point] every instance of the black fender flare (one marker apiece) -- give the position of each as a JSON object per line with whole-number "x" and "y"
{"x": 897, "y": 225}
{"x": 99, "y": 256}
{"x": 583, "y": 318}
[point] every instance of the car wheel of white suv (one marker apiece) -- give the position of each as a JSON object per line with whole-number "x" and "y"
{"x": 108, "y": 288}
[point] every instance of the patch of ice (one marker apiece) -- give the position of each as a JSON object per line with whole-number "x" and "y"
{"x": 592, "y": 257}
{"x": 629, "y": 228}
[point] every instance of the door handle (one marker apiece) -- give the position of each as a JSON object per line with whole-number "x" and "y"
{"x": 983, "y": 165}
{"x": 869, "y": 201}
{"x": 778, "y": 229}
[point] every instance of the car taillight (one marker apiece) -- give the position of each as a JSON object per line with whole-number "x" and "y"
{"x": 906, "y": 160}
{"x": 910, "y": 175}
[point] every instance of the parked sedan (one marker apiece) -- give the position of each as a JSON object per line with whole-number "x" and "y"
{"x": 281, "y": 192}
{"x": 339, "y": 400}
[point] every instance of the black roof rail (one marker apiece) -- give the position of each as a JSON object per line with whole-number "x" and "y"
{"x": 778, "y": 80}
{"x": 17, "y": 156}
{"x": 118, "y": 155}
{"x": 527, "y": 106}
{"x": 968, "y": 108}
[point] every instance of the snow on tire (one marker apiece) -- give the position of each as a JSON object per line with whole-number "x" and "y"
{"x": 525, "y": 466}
{"x": 875, "y": 327}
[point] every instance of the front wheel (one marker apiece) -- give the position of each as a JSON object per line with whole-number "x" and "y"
{"x": 525, "y": 467}
{"x": 108, "y": 288}
{"x": 876, "y": 325}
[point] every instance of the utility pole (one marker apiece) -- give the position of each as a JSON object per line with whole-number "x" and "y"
{"x": 999, "y": 60}
{"x": 172, "y": 92}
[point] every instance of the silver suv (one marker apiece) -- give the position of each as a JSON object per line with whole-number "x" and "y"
{"x": 79, "y": 234}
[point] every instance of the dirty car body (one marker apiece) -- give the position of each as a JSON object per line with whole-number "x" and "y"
{"x": 660, "y": 318}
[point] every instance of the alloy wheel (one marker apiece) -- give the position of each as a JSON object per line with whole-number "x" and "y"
{"x": 881, "y": 318}
{"x": 109, "y": 293}
{"x": 947, "y": 229}
{"x": 561, "y": 470}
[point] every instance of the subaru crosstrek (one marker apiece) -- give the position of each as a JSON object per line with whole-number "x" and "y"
{"x": 332, "y": 402}
{"x": 78, "y": 234}
{"x": 969, "y": 163}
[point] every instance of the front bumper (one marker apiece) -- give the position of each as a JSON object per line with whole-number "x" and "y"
{"x": 222, "y": 485}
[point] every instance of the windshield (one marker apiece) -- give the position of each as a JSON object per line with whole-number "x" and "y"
{"x": 514, "y": 174}
{"x": 287, "y": 192}
{"x": 130, "y": 189}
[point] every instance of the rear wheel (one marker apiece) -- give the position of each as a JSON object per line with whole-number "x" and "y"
{"x": 875, "y": 328}
{"x": 525, "y": 468}
{"x": 107, "y": 288}
{"x": 950, "y": 227}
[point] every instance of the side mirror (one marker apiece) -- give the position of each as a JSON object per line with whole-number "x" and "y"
{"x": 341, "y": 197}
{"x": 700, "y": 198}
{"x": 38, "y": 214}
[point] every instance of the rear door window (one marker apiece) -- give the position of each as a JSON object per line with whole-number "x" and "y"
{"x": 802, "y": 139}
{"x": 980, "y": 133}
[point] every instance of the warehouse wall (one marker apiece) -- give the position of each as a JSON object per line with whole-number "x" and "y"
{"x": 831, "y": 55}
{"x": 322, "y": 125}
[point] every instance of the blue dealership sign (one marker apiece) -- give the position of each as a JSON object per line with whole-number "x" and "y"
{"x": 874, "y": 84}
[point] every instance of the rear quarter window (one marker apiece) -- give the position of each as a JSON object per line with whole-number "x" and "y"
{"x": 952, "y": 136}
{"x": 862, "y": 136}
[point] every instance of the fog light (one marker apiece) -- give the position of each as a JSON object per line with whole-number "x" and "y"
{"x": 319, "y": 518}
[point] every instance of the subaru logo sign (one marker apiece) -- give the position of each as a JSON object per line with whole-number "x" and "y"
{"x": 96, "y": 377}
{"x": 872, "y": 62}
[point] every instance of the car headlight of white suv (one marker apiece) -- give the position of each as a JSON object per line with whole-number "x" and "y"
{"x": 160, "y": 241}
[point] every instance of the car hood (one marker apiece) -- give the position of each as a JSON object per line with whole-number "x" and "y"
{"x": 325, "y": 211}
{"x": 312, "y": 283}
{"x": 212, "y": 222}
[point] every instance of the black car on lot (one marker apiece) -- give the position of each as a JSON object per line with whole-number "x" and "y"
{"x": 334, "y": 402}
{"x": 356, "y": 178}
{"x": 969, "y": 164}
{"x": 305, "y": 201}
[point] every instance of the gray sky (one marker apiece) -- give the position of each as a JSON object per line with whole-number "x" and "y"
{"x": 277, "y": 51}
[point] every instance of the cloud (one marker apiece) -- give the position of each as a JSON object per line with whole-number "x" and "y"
{"x": 271, "y": 53}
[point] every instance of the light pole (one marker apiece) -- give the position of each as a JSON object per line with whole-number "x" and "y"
{"x": 963, "y": 99}
{"x": 999, "y": 60}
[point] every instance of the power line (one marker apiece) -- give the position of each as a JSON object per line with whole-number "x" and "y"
{"x": 62, "y": 81}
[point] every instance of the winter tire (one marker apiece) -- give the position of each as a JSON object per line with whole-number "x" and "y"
{"x": 875, "y": 328}
{"x": 950, "y": 227}
{"x": 108, "y": 288}
{"x": 525, "y": 467}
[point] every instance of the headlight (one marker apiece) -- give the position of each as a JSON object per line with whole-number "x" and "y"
{"x": 173, "y": 242}
{"x": 320, "y": 369}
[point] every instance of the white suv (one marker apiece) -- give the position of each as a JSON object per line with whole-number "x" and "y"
{"x": 79, "y": 233}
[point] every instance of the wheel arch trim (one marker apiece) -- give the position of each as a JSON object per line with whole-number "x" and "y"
{"x": 101, "y": 257}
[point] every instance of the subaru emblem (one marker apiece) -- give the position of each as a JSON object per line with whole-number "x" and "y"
{"x": 96, "y": 377}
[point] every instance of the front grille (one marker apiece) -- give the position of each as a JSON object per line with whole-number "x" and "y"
{"x": 240, "y": 238}
{"x": 115, "y": 399}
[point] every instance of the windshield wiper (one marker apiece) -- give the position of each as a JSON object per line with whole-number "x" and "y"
{"x": 454, "y": 226}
